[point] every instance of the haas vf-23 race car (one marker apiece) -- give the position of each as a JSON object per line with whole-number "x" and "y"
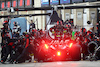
{"x": 58, "y": 49}
{"x": 58, "y": 46}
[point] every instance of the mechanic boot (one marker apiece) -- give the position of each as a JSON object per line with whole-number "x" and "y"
{"x": 2, "y": 62}
{"x": 30, "y": 60}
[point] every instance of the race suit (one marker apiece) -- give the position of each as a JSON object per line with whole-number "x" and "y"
{"x": 16, "y": 31}
{"x": 57, "y": 32}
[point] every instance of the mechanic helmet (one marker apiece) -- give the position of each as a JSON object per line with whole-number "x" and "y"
{"x": 24, "y": 33}
{"x": 68, "y": 25}
{"x": 40, "y": 30}
{"x": 57, "y": 22}
{"x": 50, "y": 29}
{"x": 89, "y": 32}
{"x": 61, "y": 22}
{"x": 5, "y": 22}
{"x": 83, "y": 31}
{"x": 15, "y": 23}
{"x": 33, "y": 30}
{"x": 27, "y": 35}
{"x": 43, "y": 32}
{"x": 88, "y": 22}
{"x": 76, "y": 34}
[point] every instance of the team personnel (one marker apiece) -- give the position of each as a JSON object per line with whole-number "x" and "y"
{"x": 6, "y": 48}
{"x": 3, "y": 33}
{"x": 57, "y": 31}
{"x": 25, "y": 53}
{"x": 89, "y": 26}
{"x": 98, "y": 28}
{"x": 32, "y": 26}
{"x": 16, "y": 30}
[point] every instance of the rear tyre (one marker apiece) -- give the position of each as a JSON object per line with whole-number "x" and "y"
{"x": 41, "y": 57}
{"x": 76, "y": 54}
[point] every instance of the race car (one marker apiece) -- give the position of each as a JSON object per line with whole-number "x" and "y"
{"x": 59, "y": 50}
{"x": 57, "y": 44}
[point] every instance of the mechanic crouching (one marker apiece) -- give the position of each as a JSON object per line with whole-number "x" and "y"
{"x": 25, "y": 53}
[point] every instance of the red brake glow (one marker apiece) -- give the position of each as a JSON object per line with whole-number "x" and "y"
{"x": 46, "y": 46}
{"x": 70, "y": 45}
{"x": 58, "y": 53}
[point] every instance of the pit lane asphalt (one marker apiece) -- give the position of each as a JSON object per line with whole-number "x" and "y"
{"x": 56, "y": 64}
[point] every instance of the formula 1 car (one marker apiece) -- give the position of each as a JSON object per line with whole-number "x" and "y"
{"x": 59, "y": 51}
{"x": 55, "y": 46}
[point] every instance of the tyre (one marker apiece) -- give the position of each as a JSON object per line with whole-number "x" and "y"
{"x": 98, "y": 53}
{"x": 76, "y": 54}
{"x": 92, "y": 46}
{"x": 41, "y": 57}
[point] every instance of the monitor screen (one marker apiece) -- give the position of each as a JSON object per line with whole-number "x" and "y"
{"x": 8, "y": 4}
{"x": 64, "y": 1}
{"x": 54, "y": 2}
{"x": 44, "y": 2}
{"x": 3, "y": 5}
{"x": 77, "y": 1}
{"x": 14, "y": 3}
{"x": 90, "y": 0}
{"x": 20, "y": 3}
{"x": 28, "y": 3}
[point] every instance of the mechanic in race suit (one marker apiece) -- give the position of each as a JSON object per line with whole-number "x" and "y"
{"x": 57, "y": 31}
{"x": 32, "y": 26}
{"x": 98, "y": 28}
{"x": 84, "y": 41}
{"x": 3, "y": 42}
{"x": 16, "y": 30}
{"x": 80, "y": 35}
{"x": 98, "y": 32}
{"x": 90, "y": 34}
{"x": 67, "y": 29}
{"x": 6, "y": 48}
{"x": 77, "y": 37}
{"x": 17, "y": 48}
{"x": 25, "y": 53}
{"x": 34, "y": 40}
